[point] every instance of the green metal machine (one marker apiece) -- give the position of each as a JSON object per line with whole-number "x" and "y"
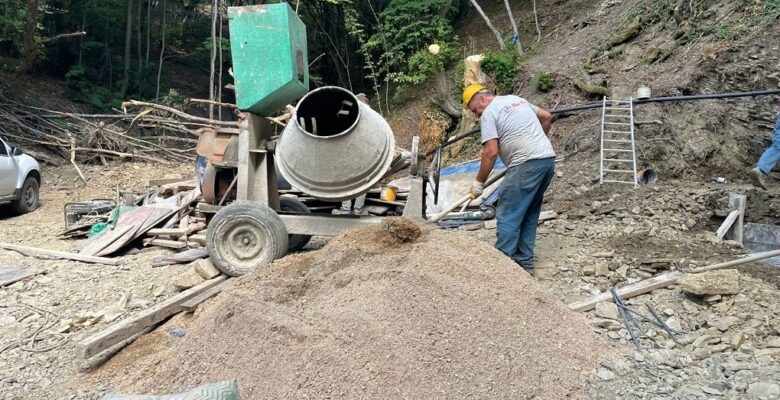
{"x": 270, "y": 63}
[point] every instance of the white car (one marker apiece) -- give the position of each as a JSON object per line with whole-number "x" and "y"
{"x": 20, "y": 179}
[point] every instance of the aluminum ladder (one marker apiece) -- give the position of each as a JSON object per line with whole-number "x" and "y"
{"x": 618, "y": 148}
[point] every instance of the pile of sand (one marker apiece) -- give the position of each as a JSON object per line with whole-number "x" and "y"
{"x": 377, "y": 313}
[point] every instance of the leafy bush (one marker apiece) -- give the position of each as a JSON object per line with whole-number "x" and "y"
{"x": 83, "y": 90}
{"x": 503, "y": 66}
{"x": 543, "y": 81}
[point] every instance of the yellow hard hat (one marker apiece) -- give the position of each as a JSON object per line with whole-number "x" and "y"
{"x": 470, "y": 91}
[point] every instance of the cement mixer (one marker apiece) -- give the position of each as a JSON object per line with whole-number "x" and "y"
{"x": 333, "y": 147}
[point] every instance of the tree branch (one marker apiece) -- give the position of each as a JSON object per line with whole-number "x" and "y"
{"x": 62, "y": 36}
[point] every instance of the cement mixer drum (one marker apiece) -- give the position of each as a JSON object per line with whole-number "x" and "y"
{"x": 335, "y": 147}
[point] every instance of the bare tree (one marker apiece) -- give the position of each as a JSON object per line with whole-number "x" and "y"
{"x": 536, "y": 19}
{"x": 514, "y": 27}
{"x": 128, "y": 45}
{"x": 489, "y": 24}
{"x": 162, "y": 51}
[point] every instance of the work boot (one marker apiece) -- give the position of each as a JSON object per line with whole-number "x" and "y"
{"x": 342, "y": 211}
{"x": 758, "y": 178}
{"x": 360, "y": 211}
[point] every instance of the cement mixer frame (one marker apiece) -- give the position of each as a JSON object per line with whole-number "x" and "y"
{"x": 253, "y": 231}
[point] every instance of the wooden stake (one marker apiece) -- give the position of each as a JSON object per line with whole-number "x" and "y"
{"x": 137, "y": 323}
{"x": 34, "y": 251}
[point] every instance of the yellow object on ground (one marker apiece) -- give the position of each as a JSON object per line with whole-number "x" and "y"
{"x": 388, "y": 193}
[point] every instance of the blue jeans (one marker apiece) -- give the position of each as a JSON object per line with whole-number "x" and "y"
{"x": 771, "y": 155}
{"x": 519, "y": 204}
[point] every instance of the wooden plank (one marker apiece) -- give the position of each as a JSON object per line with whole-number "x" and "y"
{"x": 192, "y": 304}
{"x": 171, "y": 244}
{"x": 669, "y": 278}
{"x": 635, "y": 289}
{"x": 105, "y": 239}
{"x": 737, "y": 203}
{"x": 34, "y": 251}
{"x": 199, "y": 239}
{"x": 167, "y": 232}
{"x": 154, "y": 216}
{"x": 727, "y": 224}
{"x": 10, "y": 275}
{"x": 180, "y": 258}
{"x": 137, "y": 323}
{"x": 163, "y": 181}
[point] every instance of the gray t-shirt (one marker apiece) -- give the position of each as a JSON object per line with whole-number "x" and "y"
{"x": 513, "y": 121}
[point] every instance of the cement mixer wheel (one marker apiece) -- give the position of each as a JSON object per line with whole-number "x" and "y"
{"x": 244, "y": 236}
{"x": 295, "y": 242}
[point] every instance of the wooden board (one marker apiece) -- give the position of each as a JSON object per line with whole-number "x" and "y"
{"x": 663, "y": 280}
{"x": 104, "y": 239}
{"x": 726, "y": 225}
{"x": 34, "y": 251}
{"x": 171, "y": 244}
{"x": 163, "y": 181}
{"x": 153, "y": 216}
{"x": 9, "y": 275}
{"x": 192, "y": 304}
{"x": 149, "y": 318}
{"x": 737, "y": 202}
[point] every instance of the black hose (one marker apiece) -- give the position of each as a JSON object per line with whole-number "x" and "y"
{"x": 590, "y": 106}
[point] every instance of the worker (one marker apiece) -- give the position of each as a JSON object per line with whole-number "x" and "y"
{"x": 515, "y": 130}
{"x": 355, "y": 206}
{"x": 769, "y": 159}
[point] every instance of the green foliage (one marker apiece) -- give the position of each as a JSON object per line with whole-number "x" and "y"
{"x": 83, "y": 90}
{"x": 768, "y": 15}
{"x": 424, "y": 65}
{"x": 730, "y": 29}
{"x": 12, "y": 15}
{"x": 543, "y": 81}
{"x": 399, "y": 46}
{"x": 502, "y": 66}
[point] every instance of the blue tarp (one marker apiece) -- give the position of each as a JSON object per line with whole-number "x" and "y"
{"x": 472, "y": 167}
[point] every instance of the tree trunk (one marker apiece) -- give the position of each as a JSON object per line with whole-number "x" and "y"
{"x": 213, "y": 55}
{"x": 449, "y": 106}
{"x": 128, "y": 46}
{"x": 29, "y": 46}
{"x": 536, "y": 20}
{"x": 514, "y": 27}
{"x": 162, "y": 51}
{"x": 140, "y": 42}
{"x": 148, "y": 30}
{"x": 81, "y": 40}
{"x": 489, "y": 24}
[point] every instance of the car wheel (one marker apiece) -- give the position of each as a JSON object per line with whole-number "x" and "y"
{"x": 28, "y": 201}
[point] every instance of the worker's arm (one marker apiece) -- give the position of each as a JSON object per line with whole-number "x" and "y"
{"x": 545, "y": 118}
{"x": 489, "y": 155}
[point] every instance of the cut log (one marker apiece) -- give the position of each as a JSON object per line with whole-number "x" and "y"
{"x": 137, "y": 323}
{"x": 192, "y": 304}
{"x": 34, "y": 251}
{"x": 667, "y": 279}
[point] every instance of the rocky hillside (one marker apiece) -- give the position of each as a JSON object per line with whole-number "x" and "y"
{"x": 676, "y": 48}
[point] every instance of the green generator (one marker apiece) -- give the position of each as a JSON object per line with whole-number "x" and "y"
{"x": 270, "y": 64}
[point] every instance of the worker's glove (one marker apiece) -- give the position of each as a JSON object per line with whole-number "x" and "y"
{"x": 476, "y": 189}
